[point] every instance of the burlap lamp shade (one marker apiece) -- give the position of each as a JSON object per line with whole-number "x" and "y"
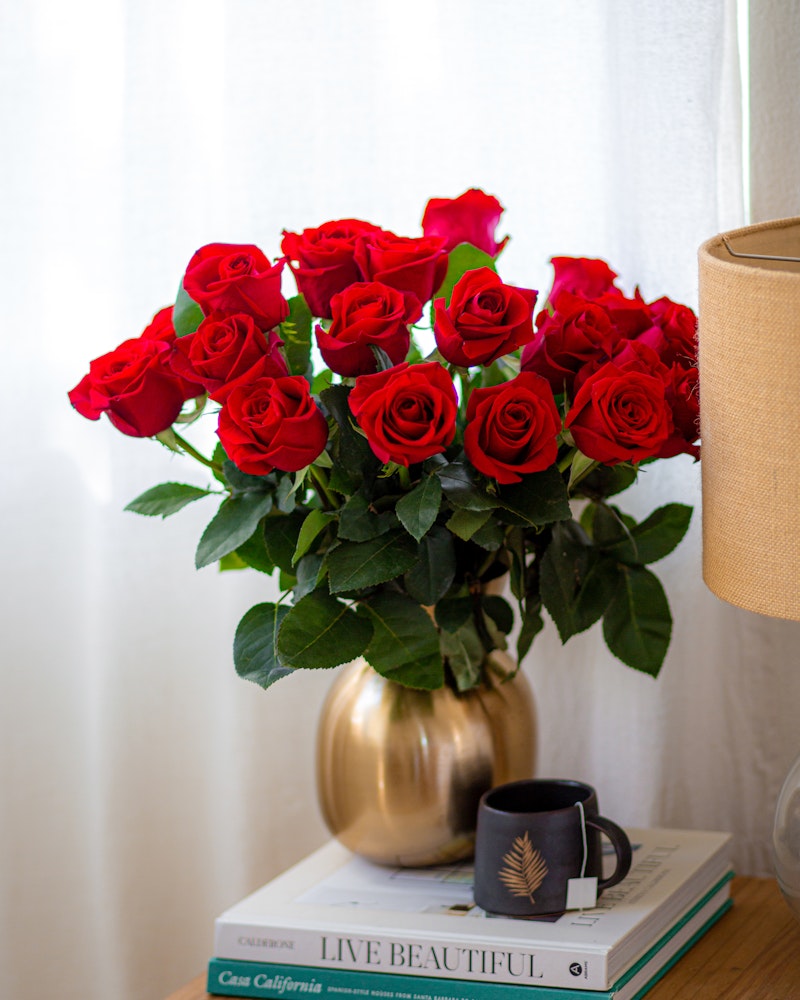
{"x": 749, "y": 361}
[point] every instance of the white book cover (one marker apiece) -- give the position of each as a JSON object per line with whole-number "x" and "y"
{"x": 336, "y": 910}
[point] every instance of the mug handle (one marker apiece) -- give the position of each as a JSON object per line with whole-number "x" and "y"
{"x": 621, "y": 845}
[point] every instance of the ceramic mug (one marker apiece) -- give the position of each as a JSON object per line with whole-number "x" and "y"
{"x": 534, "y": 836}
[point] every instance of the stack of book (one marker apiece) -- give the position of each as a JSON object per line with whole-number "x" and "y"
{"x": 336, "y": 925}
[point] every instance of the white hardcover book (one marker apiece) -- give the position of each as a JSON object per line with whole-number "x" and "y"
{"x": 336, "y": 910}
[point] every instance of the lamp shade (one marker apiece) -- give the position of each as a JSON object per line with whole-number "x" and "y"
{"x": 749, "y": 361}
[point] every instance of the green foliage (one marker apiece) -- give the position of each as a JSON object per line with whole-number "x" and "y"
{"x": 166, "y": 499}
{"x": 296, "y": 336}
{"x": 255, "y": 653}
{"x": 186, "y": 313}
{"x": 321, "y": 631}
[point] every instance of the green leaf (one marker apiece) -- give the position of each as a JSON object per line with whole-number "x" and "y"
{"x": 434, "y": 569}
{"x": 230, "y": 562}
{"x": 532, "y": 625}
{"x": 465, "y": 654}
{"x": 243, "y": 482}
{"x": 655, "y": 537}
{"x": 576, "y": 584}
{"x": 254, "y": 551}
{"x": 356, "y": 565}
{"x": 296, "y": 335}
{"x": 310, "y": 574}
{"x": 255, "y": 655}
{"x": 462, "y": 489}
{"x": 233, "y": 524}
{"x": 607, "y": 481}
{"x": 465, "y": 257}
{"x": 464, "y": 523}
{"x": 454, "y": 613}
{"x": 352, "y": 455}
{"x": 539, "y": 499}
{"x": 281, "y": 532}
{"x": 638, "y": 625}
{"x": 321, "y": 632}
{"x": 405, "y": 643}
{"x": 489, "y": 536}
{"x": 186, "y": 313}
{"x": 418, "y": 509}
{"x": 580, "y": 467}
{"x": 166, "y": 499}
{"x": 499, "y": 610}
{"x": 316, "y": 522}
{"x": 358, "y": 522}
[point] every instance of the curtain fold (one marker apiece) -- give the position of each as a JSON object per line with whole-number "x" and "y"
{"x": 145, "y": 786}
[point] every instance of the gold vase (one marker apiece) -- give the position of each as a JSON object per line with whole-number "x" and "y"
{"x": 400, "y": 772}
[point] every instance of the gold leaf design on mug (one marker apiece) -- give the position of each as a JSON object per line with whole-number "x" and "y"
{"x": 525, "y": 868}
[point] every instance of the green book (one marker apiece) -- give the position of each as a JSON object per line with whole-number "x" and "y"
{"x": 229, "y": 977}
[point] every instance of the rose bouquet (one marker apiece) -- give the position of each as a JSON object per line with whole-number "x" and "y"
{"x": 388, "y": 486}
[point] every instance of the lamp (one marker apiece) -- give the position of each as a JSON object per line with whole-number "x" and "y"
{"x": 749, "y": 362}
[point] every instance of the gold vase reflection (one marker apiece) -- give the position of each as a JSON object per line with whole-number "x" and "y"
{"x": 400, "y": 772}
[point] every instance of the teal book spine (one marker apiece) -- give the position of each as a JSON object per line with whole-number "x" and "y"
{"x": 234, "y": 978}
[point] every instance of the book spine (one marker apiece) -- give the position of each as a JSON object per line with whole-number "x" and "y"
{"x": 387, "y": 953}
{"x": 227, "y": 977}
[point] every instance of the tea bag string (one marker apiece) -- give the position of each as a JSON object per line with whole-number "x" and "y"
{"x": 583, "y": 835}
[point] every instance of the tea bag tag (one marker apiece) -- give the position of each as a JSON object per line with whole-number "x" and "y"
{"x": 582, "y": 892}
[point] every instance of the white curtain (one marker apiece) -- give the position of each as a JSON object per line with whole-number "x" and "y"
{"x": 144, "y": 786}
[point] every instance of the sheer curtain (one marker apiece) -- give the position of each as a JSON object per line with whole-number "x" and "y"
{"x": 144, "y": 786}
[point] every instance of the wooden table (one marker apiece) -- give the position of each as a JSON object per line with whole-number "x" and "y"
{"x": 753, "y": 953}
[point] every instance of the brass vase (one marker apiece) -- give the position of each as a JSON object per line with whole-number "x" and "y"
{"x": 400, "y": 772}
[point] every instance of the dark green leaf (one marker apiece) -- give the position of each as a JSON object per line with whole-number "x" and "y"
{"x": 254, "y": 552}
{"x": 575, "y": 583}
{"x": 254, "y": 648}
{"x": 465, "y": 257}
{"x": 465, "y": 654}
{"x": 309, "y": 574}
{"x": 320, "y": 632}
{"x": 418, "y": 509}
{"x": 242, "y": 482}
{"x": 454, "y": 613}
{"x": 655, "y": 537}
{"x": 433, "y": 571}
{"x": 638, "y": 625}
{"x": 405, "y": 643}
{"x": 532, "y": 625}
{"x": 296, "y": 336}
{"x": 356, "y": 565}
{"x": 462, "y": 488}
{"x": 464, "y": 523}
{"x": 233, "y": 524}
{"x": 358, "y": 522}
{"x": 499, "y": 610}
{"x": 539, "y": 499}
{"x": 607, "y": 481}
{"x": 352, "y": 456}
{"x": 231, "y": 561}
{"x": 166, "y": 499}
{"x": 280, "y": 537}
{"x": 316, "y": 522}
{"x": 489, "y": 536}
{"x": 186, "y": 313}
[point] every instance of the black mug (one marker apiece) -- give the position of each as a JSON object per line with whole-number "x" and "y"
{"x": 534, "y": 836}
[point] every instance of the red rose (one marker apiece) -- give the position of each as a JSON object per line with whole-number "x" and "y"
{"x": 630, "y": 316}
{"x": 408, "y": 412}
{"x": 581, "y": 276}
{"x": 410, "y": 264}
{"x": 323, "y": 260}
{"x": 682, "y": 396}
{"x": 673, "y": 333}
{"x": 134, "y": 386}
{"x": 364, "y": 314}
{"x": 577, "y": 332}
{"x": 485, "y": 319}
{"x": 512, "y": 428}
{"x": 620, "y": 414}
{"x": 470, "y": 218}
{"x": 161, "y": 328}
{"x": 233, "y": 278}
{"x": 225, "y": 350}
{"x": 272, "y": 423}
